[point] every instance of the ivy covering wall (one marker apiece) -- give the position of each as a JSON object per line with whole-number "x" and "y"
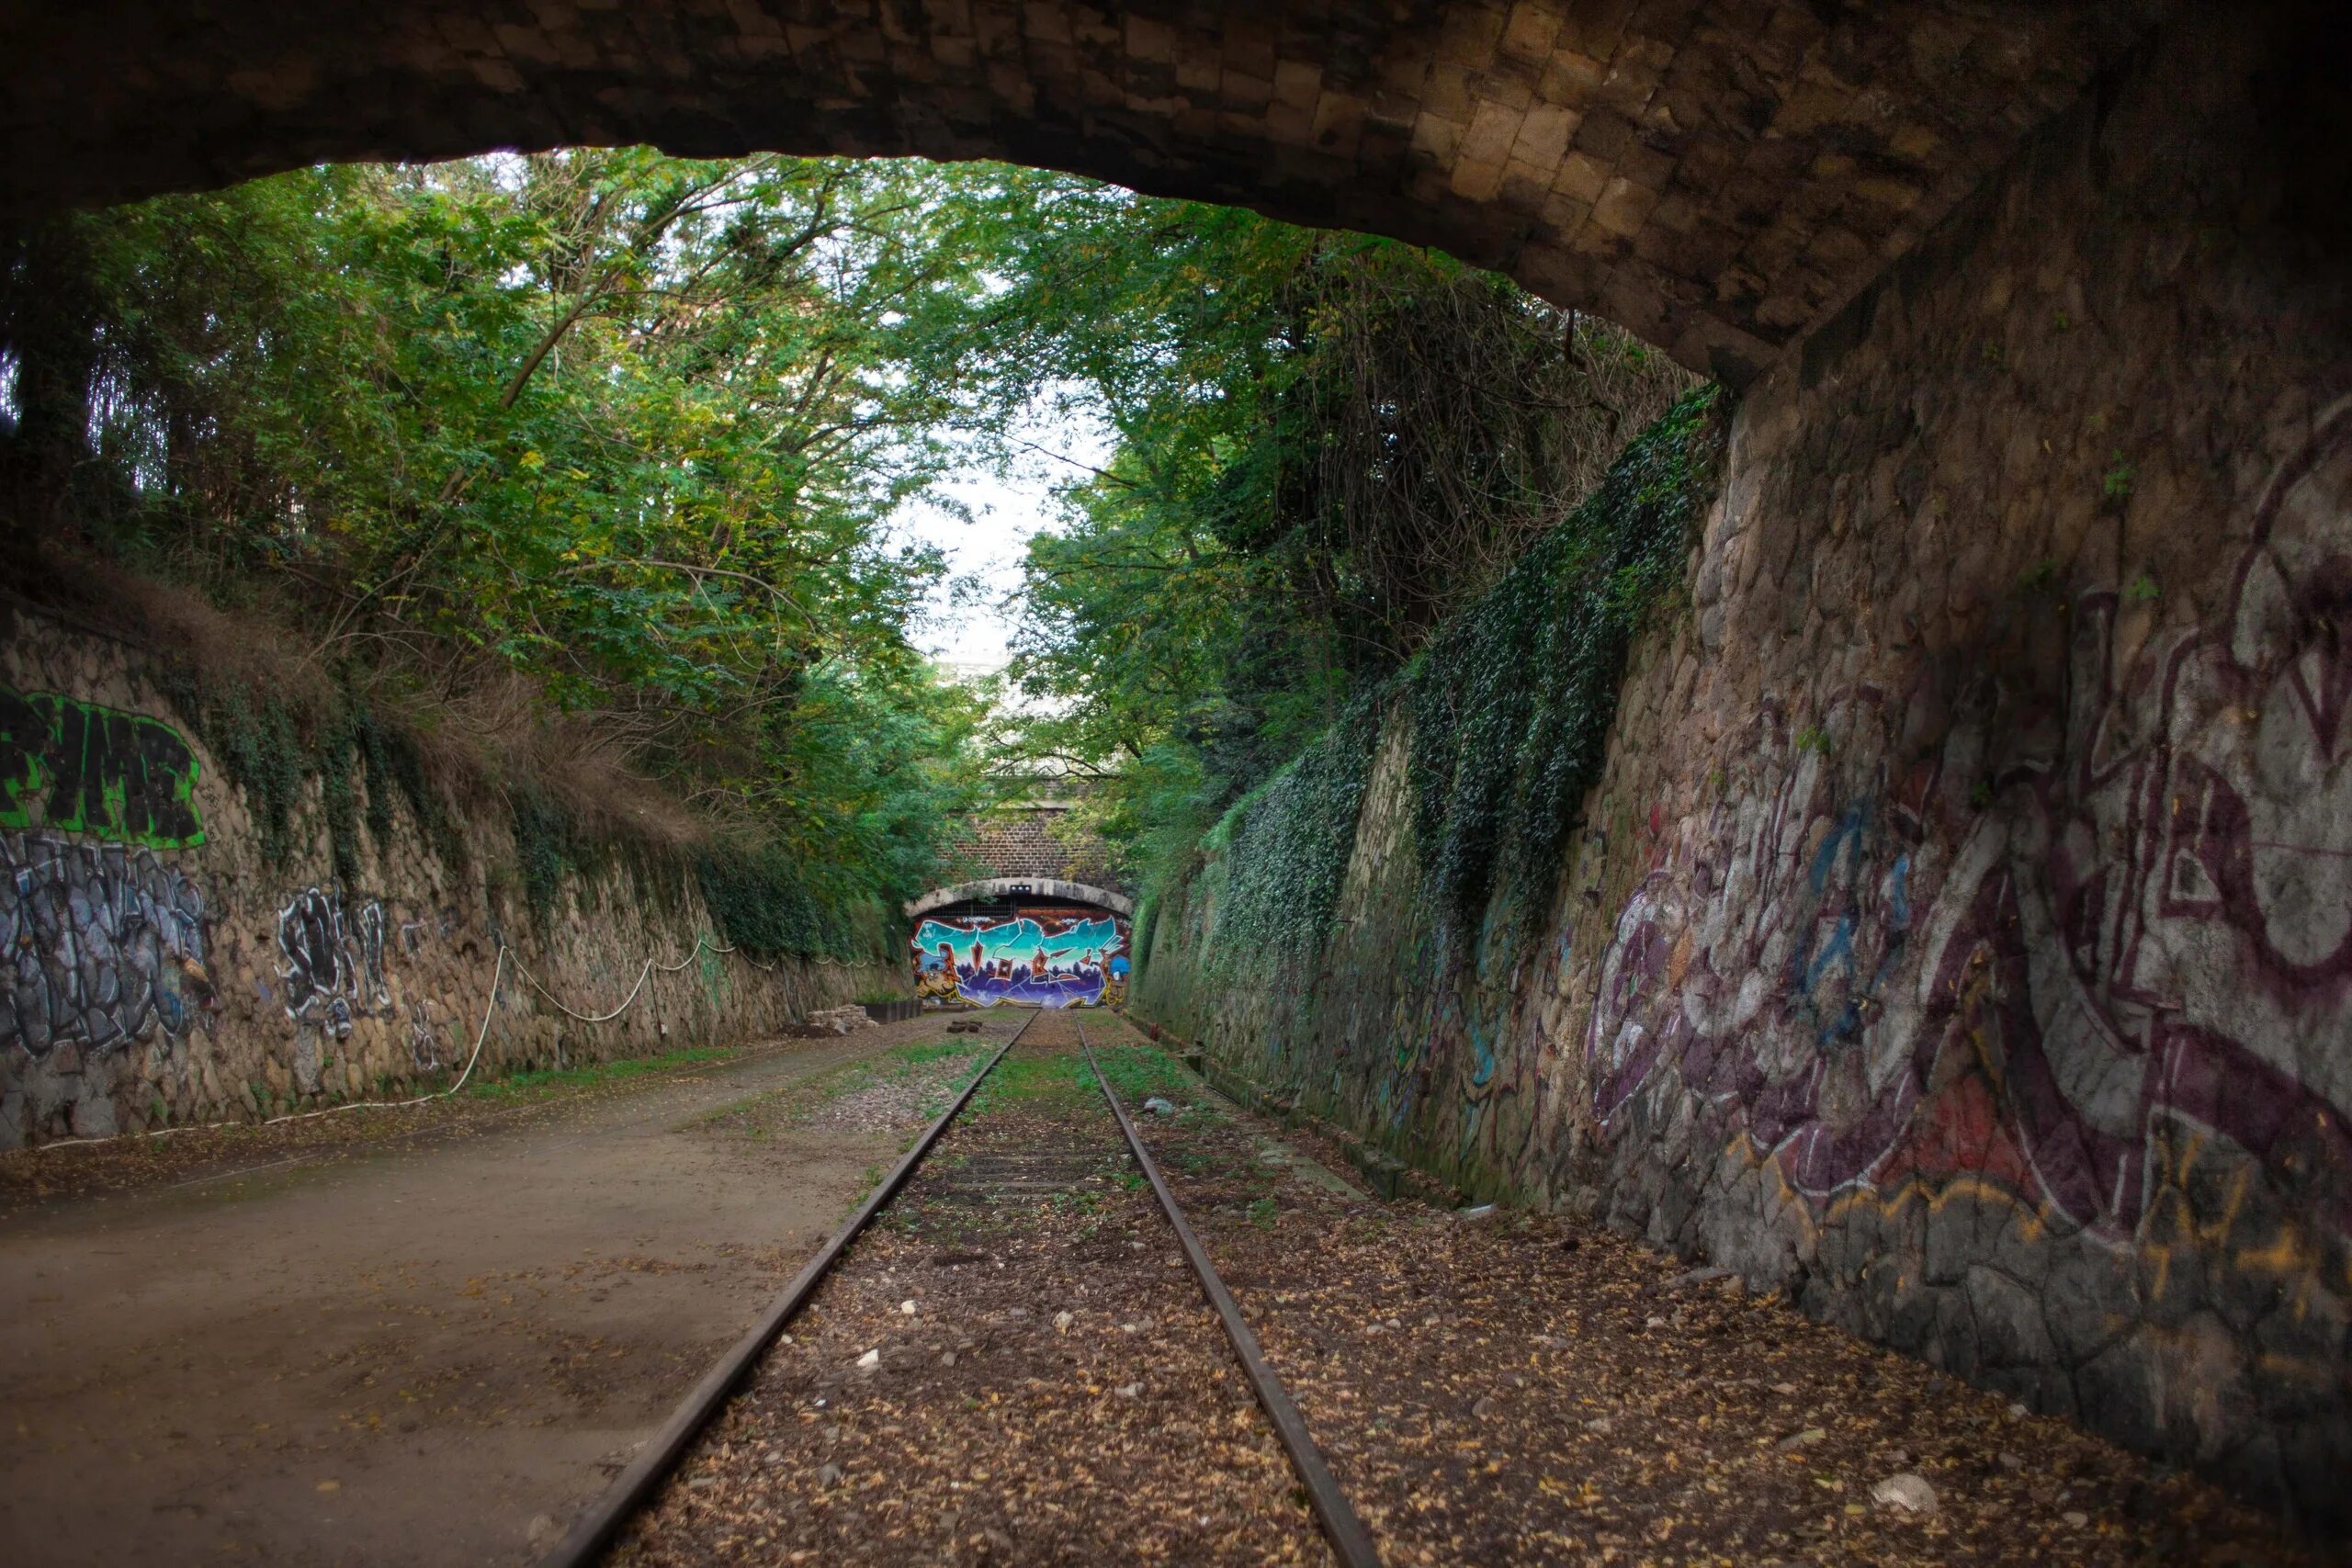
{"x": 1510, "y": 704}
{"x": 1496, "y": 734}
{"x": 763, "y": 903}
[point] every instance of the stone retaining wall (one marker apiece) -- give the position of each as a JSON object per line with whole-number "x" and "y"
{"x": 158, "y": 968}
{"x": 1963, "y": 936}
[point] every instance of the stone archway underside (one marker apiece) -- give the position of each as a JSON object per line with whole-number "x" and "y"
{"x": 1041, "y": 888}
{"x": 1716, "y": 175}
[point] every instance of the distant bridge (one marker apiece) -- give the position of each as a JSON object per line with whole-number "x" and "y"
{"x": 1032, "y": 847}
{"x": 1011, "y": 889}
{"x": 1044, "y": 922}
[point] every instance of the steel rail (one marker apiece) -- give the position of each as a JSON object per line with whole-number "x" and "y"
{"x": 595, "y": 1530}
{"x": 1349, "y": 1539}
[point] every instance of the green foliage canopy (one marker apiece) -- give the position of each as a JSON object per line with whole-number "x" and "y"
{"x": 629, "y": 430}
{"x": 1325, "y": 445}
{"x": 625, "y": 427}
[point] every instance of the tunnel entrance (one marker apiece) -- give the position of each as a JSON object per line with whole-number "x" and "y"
{"x": 1046, "y": 924}
{"x": 1024, "y": 946}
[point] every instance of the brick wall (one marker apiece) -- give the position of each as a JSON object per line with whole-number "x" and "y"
{"x": 1037, "y": 841}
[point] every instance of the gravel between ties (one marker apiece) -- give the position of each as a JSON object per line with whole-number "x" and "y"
{"x": 1013, "y": 1364}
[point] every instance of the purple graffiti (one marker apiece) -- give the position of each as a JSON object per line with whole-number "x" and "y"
{"x": 2156, "y": 926}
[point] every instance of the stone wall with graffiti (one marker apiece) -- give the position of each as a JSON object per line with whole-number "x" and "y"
{"x": 159, "y": 968}
{"x": 1962, "y": 938}
{"x": 1054, "y": 958}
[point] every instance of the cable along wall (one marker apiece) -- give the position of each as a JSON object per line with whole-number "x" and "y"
{"x": 178, "y": 950}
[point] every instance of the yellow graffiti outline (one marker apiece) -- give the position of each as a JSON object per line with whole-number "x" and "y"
{"x": 1935, "y": 1196}
{"x": 2289, "y": 1256}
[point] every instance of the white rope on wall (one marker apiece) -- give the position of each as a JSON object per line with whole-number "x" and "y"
{"x": 505, "y": 958}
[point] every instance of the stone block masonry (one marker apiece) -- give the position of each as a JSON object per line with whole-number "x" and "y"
{"x": 1036, "y": 840}
{"x": 1715, "y": 175}
{"x": 158, "y": 968}
{"x": 1961, "y": 936}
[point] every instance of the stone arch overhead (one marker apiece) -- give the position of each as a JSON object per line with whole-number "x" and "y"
{"x": 990, "y": 888}
{"x": 1716, "y": 175}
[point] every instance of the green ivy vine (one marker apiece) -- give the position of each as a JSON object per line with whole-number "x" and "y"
{"x": 1511, "y": 702}
{"x": 763, "y": 903}
{"x": 1288, "y": 844}
{"x": 1509, "y": 705}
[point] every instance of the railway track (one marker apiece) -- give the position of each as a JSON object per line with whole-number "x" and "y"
{"x": 992, "y": 1176}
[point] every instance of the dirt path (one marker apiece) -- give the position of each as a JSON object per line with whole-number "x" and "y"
{"x": 422, "y": 1351}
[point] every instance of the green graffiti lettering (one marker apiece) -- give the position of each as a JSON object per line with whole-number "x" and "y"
{"x": 75, "y": 767}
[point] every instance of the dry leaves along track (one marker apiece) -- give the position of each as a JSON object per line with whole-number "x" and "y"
{"x": 1058, "y": 1393}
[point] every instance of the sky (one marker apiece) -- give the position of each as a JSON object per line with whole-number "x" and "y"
{"x": 1006, "y": 509}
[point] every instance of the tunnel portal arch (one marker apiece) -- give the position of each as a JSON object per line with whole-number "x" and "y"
{"x": 1716, "y": 175}
{"x": 1028, "y": 941}
{"x": 1003, "y": 890}
{"x": 1045, "y": 923}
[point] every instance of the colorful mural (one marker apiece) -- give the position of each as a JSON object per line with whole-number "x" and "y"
{"x": 1036, "y": 957}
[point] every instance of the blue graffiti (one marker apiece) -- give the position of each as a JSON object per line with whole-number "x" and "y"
{"x": 1485, "y": 1068}
{"x": 1847, "y": 831}
{"x": 1821, "y": 959}
{"x": 1019, "y": 961}
{"x": 1019, "y": 940}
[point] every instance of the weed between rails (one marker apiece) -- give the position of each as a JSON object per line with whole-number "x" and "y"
{"x": 1063, "y": 1081}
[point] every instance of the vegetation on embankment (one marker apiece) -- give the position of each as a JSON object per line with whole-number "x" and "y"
{"x": 1327, "y": 448}
{"x": 566, "y": 479}
{"x": 1320, "y": 966}
{"x": 1504, "y": 712}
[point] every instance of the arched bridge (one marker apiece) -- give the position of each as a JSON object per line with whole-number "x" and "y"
{"x": 1044, "y": 922}
{"x": 991, "y": 888}
{"x": 1715, "y": 175}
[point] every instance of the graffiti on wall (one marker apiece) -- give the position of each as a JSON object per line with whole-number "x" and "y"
{"x": 75, "y": 767}
{"x": 2152, "y": 932}
{"x": 1041, "y": 958}
{"x": 424, "y": 1035}
{"x": 100, "y": 945}
{"x": 331, "y": 963}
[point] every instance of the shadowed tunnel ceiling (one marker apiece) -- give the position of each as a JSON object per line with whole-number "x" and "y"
{"x": 1715, "y": 174}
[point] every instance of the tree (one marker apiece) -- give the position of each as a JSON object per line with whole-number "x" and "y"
{"x": 1327, "y": 445}
{"x": 626, "y": 427}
